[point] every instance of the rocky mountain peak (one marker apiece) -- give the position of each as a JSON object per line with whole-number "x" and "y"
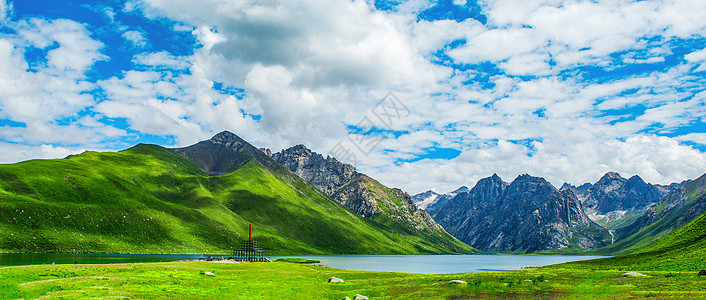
{"x": 424, "y": 199}
{"x": 526, "y": 181}
{"x": 610, "y": 179}
{"x": 223, "y": 153}
{"x": 489, "y": 182}
{"x": 462, "y": 189}
{"x": 611, "y": 175}
{"x": 527, "y": 215}
{"x": 567, "y": 186}
{"x": 635, "y": 181}
{"x": 267, "y": 151}
{"x": 327, "y": 174}
{"x": 225, "y": 137}
{"x": 300, "y": 150}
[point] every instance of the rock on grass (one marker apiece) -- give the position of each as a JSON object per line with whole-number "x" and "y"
{"x": 335, "y": 280}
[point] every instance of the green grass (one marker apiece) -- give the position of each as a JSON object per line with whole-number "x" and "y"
{"x": 298, "y": 260}
{"x": 147, "y": 200}
{"x": 186, "y": 280}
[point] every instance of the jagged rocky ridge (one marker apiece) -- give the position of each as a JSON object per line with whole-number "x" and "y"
{"x": 356, "y": 191}
{"x": 432, "y": 202}
{"x": 327, "y": 174}
{"x": 615, "y": 201}
{"x": 686, "y": 202}
{"x": 224, "y": 153}
{"x": 423, "y": 200}
{"x": 527, "y": 215}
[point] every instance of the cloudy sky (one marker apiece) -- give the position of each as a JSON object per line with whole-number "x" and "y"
{"x": 418, "y": 94}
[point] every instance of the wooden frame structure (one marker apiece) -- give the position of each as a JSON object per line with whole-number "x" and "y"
{"x": 250, "y": 250}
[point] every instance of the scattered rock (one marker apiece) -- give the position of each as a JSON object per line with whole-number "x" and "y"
{"x": 360, "y": 297}
{"x": 207, "y": 273}
{"x": 528, "y": 280}
{"x": 633, "y": 274}
{"x": 702, "y": 273}
{"x": 335, "y": 280}
{"x": 456, "y": 281}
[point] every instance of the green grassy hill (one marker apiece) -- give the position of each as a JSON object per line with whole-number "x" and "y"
{"x": 398, "y": 213}
{"x": 148, "y": 200}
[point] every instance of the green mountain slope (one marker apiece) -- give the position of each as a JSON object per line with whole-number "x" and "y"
{"x": 387, "y": 208}
{"x": 397, "y": 214}
{"x": 148, "y": 200}
{"x": 681, "y": 250}
{"x": 674, "y": 211}
{"x": 661, "y": 246}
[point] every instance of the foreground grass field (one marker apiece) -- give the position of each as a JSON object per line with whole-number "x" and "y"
{"x": 279, "y": 280}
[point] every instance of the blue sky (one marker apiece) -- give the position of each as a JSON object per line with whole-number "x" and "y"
{"x": 567, "y": 90}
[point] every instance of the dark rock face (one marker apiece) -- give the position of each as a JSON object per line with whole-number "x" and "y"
{"x": 357, "y": 192}
{"x": 223, "y": 153}
{"x": 680, "y": 206}
{"x": 613, "y": 196}
{"x": 424, "y": 199}
{"x": 527, "y": 215}
{"x": 433, "y": 205}
{"x": 613, "y": 192}
{"x": 327, "y": 174}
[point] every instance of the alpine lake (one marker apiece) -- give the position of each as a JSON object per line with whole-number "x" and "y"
{"x": 428, "y": 264}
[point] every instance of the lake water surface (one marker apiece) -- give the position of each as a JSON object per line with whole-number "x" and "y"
{"x": 440, "y": 264}
{"x": 14, "y": 259}
{"x": 431, "y": 264}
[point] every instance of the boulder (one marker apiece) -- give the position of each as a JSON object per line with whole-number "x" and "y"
{"x": 633, "y": 274}
{"x": 702, "y": 273}
{"x": 207, "y": 273}
{"x": 335, "y": 280}
{"x": 360, "y": 297}
{"x": 456, "y": 281}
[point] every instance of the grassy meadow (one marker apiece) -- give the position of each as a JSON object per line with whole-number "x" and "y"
{"x": 282, "y": 280}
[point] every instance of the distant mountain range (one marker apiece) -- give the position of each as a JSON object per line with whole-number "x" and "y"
{"x": 614, "y": 200}
{"x": 527, "y": 215}
{"x": 613, "y": 215}
{"x": 681, "y": 206}
{"x": 430, "y": 200}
